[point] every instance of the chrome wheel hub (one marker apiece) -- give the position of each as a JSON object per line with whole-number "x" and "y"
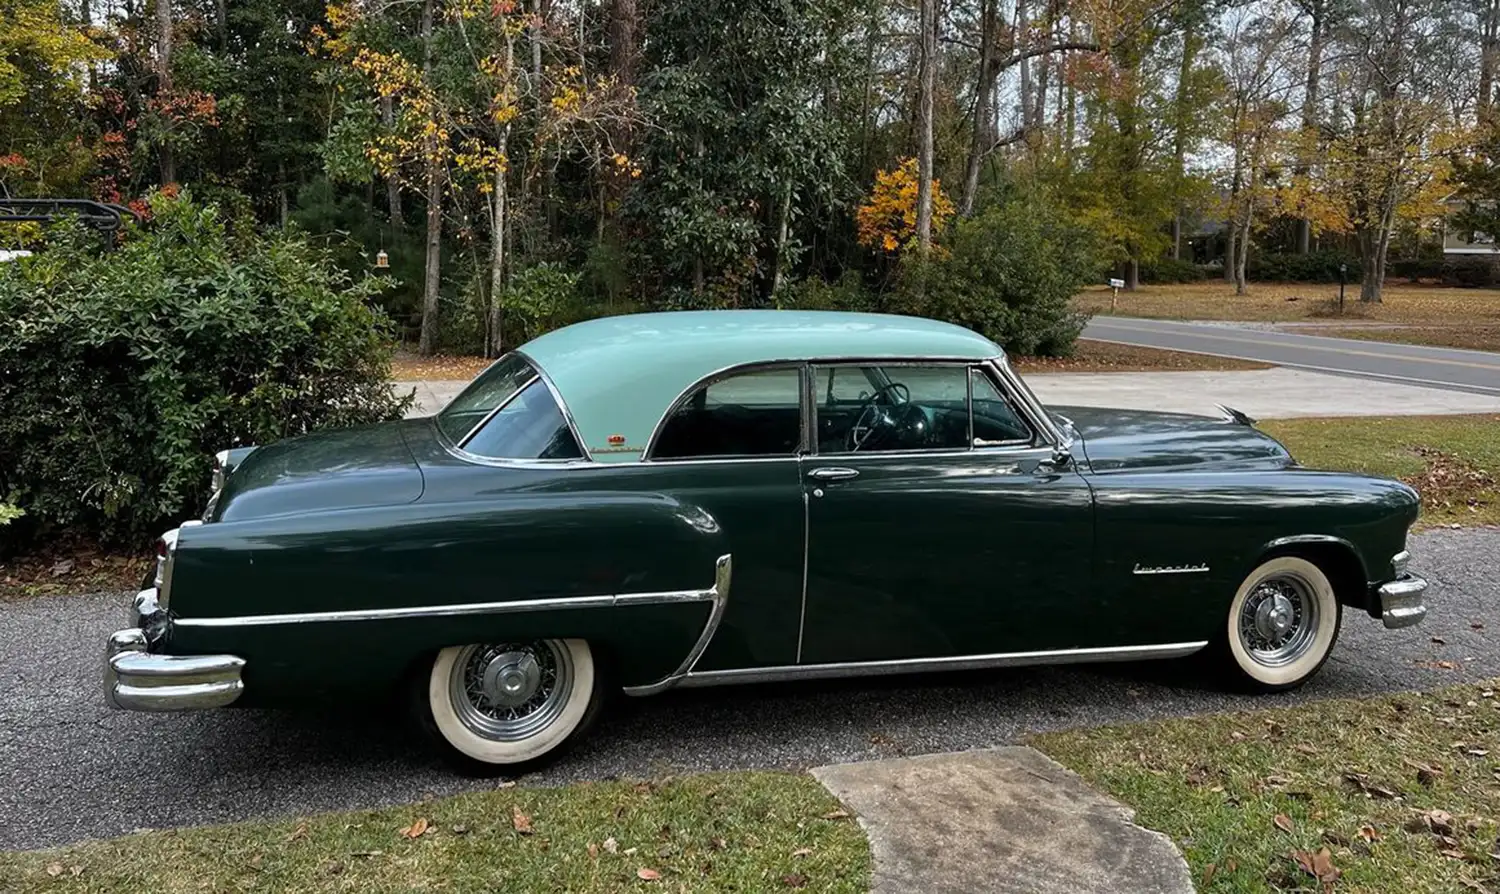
{"x": 1278, "y": 622}
{"x": 511, "y": 679}
{"x": 510, "y": 691}
{"x": 1274, "y": 616}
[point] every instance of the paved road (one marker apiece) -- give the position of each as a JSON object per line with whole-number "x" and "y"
{"x": 1474, "y": 371}
{"x": 71, "y": 769}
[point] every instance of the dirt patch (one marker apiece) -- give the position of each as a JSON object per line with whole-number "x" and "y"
{"x": 1103, "y": 356}
{"x": 76, "y": 569}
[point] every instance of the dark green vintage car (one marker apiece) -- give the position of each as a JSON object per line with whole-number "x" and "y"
{"x": 700, "y": 498}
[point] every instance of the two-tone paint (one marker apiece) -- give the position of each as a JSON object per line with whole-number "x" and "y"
{"x": 337, "y": 563}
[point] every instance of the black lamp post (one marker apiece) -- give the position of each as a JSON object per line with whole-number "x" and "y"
{"x": 1343, "y": 269}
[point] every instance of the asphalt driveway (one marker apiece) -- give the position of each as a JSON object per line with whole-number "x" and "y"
{"x": 71, "y": 769}
{"x": 1477, "y": 372}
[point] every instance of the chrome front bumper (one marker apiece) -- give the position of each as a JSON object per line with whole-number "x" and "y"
{"x": 1401, "y": 602}
{"x": 135, "y": 679}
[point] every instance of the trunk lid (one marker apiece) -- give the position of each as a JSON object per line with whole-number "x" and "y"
{"x": 345, "y": 468}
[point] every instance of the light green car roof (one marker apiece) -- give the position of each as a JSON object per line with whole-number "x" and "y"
{"x": 618, "y": 375}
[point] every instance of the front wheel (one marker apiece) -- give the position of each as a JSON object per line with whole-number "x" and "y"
{"x": 508, "y": 707}
{"x": 1282, "y": 625}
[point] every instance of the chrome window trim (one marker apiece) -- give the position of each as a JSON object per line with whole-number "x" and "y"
{"x": 728, "y": 372}
{"x": 985, "y": 370}
{"x": 557, "y": 398}
{"x": 469, "y": 435}
{"x": 1017, "y": 389}
{"x": 948, "y": 663}
{"x": 716, "y": 594}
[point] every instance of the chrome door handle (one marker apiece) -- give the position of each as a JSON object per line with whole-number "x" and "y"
{"x": 833, "y": 473}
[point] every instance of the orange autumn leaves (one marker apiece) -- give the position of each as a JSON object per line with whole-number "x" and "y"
{"x": 887, "y": 221}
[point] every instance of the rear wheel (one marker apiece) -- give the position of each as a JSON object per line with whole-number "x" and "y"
{"x": 508, "y": 707}
{"x": 1282, "y": 625}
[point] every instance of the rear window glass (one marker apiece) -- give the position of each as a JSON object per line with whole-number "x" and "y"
{"x": 529, "y": 426}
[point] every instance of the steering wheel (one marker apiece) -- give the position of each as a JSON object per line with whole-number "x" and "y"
{"x": 863, "y": 428}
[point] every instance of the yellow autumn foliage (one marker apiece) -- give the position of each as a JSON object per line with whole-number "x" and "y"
{"x": 887, "y": 220}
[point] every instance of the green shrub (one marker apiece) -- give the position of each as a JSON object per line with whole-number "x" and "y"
{"x": 1314, "y": 267}
{"x": 122, "y": 371}
{"x": 1473, "y": 271}
{"x": 815, "y": 293}
{"x": 539, "y": 299}
{"x": 1161, "y": 271}
{"x": 1008, "y": 273}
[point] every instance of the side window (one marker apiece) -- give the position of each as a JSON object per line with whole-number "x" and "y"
{"x": 995, "y": 420}
{"x": 751, "y": 414}
{"x": 883, "y": 408}
{"x": 529, "y": 426}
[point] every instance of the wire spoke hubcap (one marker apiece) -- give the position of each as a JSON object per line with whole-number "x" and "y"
{"x": 510, "y": 691}
{"x": 1278, "y": 622}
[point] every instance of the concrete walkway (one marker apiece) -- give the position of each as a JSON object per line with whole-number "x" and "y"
{"x": 1002, "y": 821}
{"x": 1264, "y": 394}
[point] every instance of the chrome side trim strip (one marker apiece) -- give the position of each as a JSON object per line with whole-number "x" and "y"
{"x": 624, "y": 600}
{"x": 719, "y": 593}
{"x": 948, "y": 663}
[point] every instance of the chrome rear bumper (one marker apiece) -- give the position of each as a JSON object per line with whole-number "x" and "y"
{"x": 135, "y": 679}
{"x": 1401, "y": 601}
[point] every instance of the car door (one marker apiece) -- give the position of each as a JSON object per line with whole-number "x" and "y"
{"x": 728, "y": 454}
{"x": 938, "y": 522}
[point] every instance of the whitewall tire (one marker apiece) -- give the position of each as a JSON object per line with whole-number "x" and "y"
{"x": 1282, "y": 624}
{"x": 507, "y": 707}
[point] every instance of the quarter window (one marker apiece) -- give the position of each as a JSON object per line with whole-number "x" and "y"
{"x": 995, "y": 420}
{"x": 751, "y": 414}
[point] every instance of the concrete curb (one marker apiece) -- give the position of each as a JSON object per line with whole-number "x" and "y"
{"x": 1003, "y": 821}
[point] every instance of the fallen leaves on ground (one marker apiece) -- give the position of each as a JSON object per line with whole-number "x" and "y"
{"x": 520, "y": 821}
{"x": 1283, "y": 822}
{"x": 415, "y": 830}
{"x": 646, "y": 874}
{"x": 1318, "y": 865}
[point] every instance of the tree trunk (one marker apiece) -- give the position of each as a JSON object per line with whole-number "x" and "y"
{"x": 781, "y": 238}
{"x": 1132, "y": 272}
{"x": 434, "y": 260}
{"x": 392, "y": 181}
{"x": 983, "y": 135}
{"x": 164, "y": 81}
{"x": 624, "y": 27}
{"x": 497, "y": 257}
{"x": 1318, "y": 11}
{"x": 1192, "y": 42}
{"x": 1231, "y": 255}
{"x": 1489, "y": 60}
{"x": 927, "y": 68}
{"x": 1022, "y": 42}
{"x": 1244, "y": 254}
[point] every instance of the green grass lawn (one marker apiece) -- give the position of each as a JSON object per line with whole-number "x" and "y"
{"x": 742, "y": 832}
{"x": 1453, "y": 461}
{"x": 1402, "y": 792}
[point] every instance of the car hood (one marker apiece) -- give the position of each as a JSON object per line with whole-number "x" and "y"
{"x": 1132, "y": 440}
{"x": 344, "y": 468}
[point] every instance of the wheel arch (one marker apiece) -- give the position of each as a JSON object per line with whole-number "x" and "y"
{"x": 1336, "y": 557}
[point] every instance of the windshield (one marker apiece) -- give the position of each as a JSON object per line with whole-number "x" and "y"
{"x": 491, "y": 389}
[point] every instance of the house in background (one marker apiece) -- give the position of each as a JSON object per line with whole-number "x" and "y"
{"x": 1465, "y": 242}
